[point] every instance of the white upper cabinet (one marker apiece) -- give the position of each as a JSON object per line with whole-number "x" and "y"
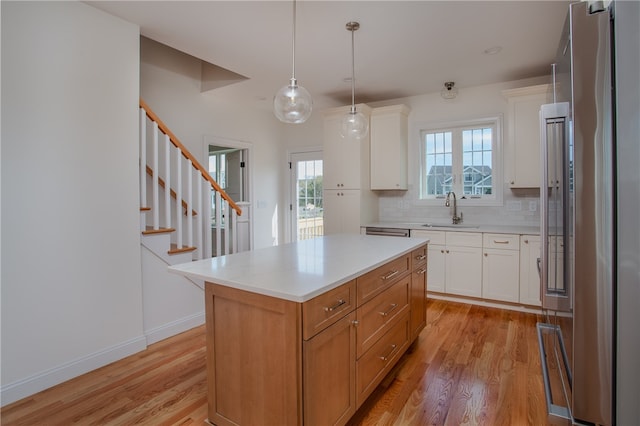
{"x": 346, "y": 161}
{"x": 348, "y": 201}
{"x": 523, "y": 130}
{"x": 389, "y": 141}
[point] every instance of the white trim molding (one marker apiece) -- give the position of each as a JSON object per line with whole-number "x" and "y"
{"x": 54, "y": 376}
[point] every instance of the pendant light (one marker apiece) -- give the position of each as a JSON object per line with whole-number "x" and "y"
{"x": 293, "y": 103}
{"x": 354, "y": 124}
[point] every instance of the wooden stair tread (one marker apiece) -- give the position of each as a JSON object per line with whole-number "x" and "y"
{"x": 151, "y": 231}
{"x": 175, "y": 250}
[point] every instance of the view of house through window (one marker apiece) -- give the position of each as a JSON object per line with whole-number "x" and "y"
{"x": 459, "y": 159}
{"x": 307, "y": 209}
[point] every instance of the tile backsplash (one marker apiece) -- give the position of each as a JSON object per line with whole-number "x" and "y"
{"x": 520, "y": 207}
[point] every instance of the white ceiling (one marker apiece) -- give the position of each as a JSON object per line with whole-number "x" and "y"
{"x": 403, "y": 48}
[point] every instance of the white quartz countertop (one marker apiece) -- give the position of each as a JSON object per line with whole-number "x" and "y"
{"x": 463, "y": 227}
{"x": 302, "y": 270}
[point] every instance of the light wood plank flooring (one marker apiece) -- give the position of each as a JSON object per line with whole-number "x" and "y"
{"x": 471, "y": 365}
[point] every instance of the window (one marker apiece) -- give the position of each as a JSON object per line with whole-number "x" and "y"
{"x": 463, "y": 158}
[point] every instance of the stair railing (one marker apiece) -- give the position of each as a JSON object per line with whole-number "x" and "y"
{"x": 177, "y": 180}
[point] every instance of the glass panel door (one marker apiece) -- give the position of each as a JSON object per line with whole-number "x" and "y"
{"x": 307, "y": 209}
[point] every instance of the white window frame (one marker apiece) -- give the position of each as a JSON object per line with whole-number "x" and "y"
{"x": 495, "y": 199}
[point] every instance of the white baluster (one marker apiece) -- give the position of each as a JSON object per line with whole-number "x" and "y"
{"x": 156, "y": 184}
{"x": 167, "y": 181}
{"x": 189, "y": 203}
{"x": 234, "y": 230}
{"x": 143, "y": 158}
{"x": 178, "y": 199}
{"x": 200, "y": 218}
{"x": 227, "y": 234}
{"x": 206, "y": 218}
{"x": 219, "y": 228}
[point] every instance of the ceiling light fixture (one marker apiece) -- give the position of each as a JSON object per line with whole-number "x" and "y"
{"x": 293, "y": 103}
{"x": 449, "y": 92}
{"x": 354, "y": 124}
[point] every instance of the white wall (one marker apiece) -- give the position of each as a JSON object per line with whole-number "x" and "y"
{"x": 471, "y": 103}
{"x": 71, "y": 281}
{"x": 170, "y": 85}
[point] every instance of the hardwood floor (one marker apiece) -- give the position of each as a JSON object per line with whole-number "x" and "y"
{"x": 471, "y": 365}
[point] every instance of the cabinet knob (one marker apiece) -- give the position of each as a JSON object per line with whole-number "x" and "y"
{"x": 526, "y": 241}
{"x": 512, "y": 182}
{"x": 355, "y": 322}
{"x": 447, "y": 251}
{"x": 485, "y": 255}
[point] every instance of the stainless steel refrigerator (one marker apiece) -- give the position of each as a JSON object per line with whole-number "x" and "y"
{"x": 589, "y": 220}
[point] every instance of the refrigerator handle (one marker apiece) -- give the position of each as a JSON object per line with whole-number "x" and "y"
{"x": 544, "y": 182}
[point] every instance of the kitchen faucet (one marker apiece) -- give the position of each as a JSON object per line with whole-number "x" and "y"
{"x": 456, "y": 219}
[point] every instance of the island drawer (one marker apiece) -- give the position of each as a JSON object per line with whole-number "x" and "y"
{"x": 373, "y": 283}
{"x": 419, "y": 257}
{"x": 378, "y": 361}
{"x": 324, "y": 310}
{"x": 375, "y": 316}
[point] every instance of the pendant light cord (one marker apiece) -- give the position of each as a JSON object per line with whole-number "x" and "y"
{"x": 293, "y": 44}
{"x": 353, "y": 75}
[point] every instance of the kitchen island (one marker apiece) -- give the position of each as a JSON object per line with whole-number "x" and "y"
{"x": 302, "y": 333}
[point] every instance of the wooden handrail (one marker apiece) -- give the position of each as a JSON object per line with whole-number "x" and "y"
{"x": 186, "y": 154}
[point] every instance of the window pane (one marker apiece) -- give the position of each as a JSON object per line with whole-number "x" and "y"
{"x": 438, "y": 152}
{"x": 476, "y": 161}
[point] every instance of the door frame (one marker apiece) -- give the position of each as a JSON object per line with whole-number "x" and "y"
{"x": 292, "y": 188}
{"x": 248, "y": 147}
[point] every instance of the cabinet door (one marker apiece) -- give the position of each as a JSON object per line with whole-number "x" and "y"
{"x": 418, "y": 300}
{"x": 463, "y": 270}
{"x": 529, "y": 275}
{"x": 330, "y": 374}
{"x": 389, "y": 139}
{"x": 341, "y": 157}
{"x": 524, "y": 135}
{"x": 500, "y": 275}
{"x": 436, "y": 268}
{"x": 341, "y": 211}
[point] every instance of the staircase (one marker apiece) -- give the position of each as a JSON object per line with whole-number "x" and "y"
{"x": 184, "y": 215}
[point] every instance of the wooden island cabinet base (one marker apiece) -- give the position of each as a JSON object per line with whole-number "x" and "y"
{"x": 272, "y": 361}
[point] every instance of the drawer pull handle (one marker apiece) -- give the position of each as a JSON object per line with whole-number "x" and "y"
{"x": 421, "y": 271}
{"x": 386, "y": 357}
{"x": 391, "y": 308}
{"x": 500, "y": 242}
{"x": 421, "y": 257}
{"x": 390, "y": 275}
{"x": 336, "y": 306}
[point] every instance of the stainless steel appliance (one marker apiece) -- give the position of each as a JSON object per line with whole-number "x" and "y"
{"x": 587, "y": 263}
{"x": 387, "y": 232}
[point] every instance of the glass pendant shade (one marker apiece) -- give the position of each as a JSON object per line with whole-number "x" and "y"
{"x": 355, "y": 125}
{"x": 292, "y": 103}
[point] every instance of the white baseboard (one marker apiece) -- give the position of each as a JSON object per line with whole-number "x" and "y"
{"x": 486, "y": 303}
{"x": 175, "y": 327}
{"x": 54, "y": 376}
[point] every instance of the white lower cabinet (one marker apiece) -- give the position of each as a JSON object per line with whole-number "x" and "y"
{"x": 455, "y": 262}
{"x": 529, "y": 275}
{"x": 340, "y": 211}
{"x": 435, "y": 269}
{"x": 501, "y": 267}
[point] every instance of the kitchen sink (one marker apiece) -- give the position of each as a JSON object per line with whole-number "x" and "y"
{"x": 450, "y": 226}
